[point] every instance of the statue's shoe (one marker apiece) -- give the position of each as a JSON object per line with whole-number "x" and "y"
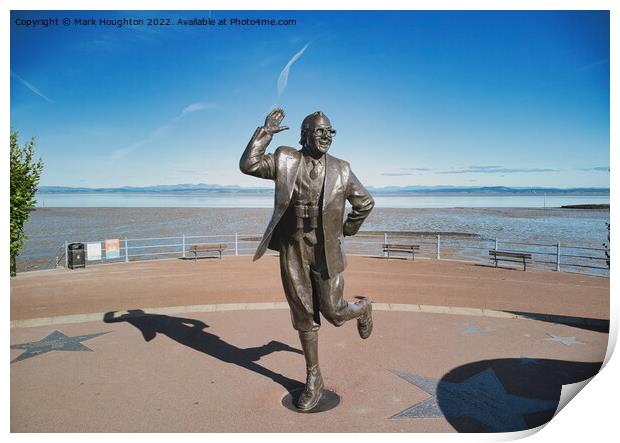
{"x": 313, "y": 390}
{"x": 364, "y": 321}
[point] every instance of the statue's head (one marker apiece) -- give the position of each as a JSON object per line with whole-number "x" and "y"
{"x": 316, "y": 134}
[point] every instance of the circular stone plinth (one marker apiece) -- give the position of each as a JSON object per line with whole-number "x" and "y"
{"x": 329, "y": 400}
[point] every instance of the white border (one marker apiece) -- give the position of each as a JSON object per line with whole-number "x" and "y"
{"x": 591, "y": 417}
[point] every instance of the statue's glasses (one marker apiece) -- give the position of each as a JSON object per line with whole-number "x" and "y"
{"x": 324, "y": 132}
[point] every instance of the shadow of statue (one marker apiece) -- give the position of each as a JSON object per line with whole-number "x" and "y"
{"x": 507, "y": 394}
{"x": 189, "y": 332}
{"x": 590, "y": 324}
{"x": 500, "y": 395}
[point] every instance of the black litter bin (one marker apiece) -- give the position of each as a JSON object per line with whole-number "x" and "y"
{"x": 76, "y": 256}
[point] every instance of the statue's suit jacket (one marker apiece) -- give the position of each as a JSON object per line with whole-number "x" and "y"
{"x": 340, "y": 185}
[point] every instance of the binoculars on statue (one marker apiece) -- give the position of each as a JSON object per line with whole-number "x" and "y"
{"x": 307, "y": 215}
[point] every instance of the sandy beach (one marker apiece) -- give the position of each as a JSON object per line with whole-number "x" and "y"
{"x": 49, "y": 228}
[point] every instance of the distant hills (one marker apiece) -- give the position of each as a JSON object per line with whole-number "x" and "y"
{"x": 388, "y": 190}
{"x": 156, "y": 189}
{"x": 488, "y": 190}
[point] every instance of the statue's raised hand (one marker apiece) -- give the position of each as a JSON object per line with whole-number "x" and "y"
{"x": 273, "y": 120}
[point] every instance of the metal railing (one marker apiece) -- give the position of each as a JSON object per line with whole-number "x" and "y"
{"x": 560, "y": 257}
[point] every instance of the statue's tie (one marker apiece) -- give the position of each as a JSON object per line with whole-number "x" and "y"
{"x": 315, "y": 169}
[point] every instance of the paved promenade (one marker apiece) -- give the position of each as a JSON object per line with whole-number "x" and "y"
{"x": 207, "y": 346}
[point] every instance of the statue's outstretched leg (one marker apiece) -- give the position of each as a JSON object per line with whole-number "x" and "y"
{"x": 336, "y": 309}
{"x": 364, "y": 321}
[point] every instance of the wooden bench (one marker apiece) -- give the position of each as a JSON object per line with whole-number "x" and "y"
{"x": 397, "y": 247}
{"x": 206, "y": 248}
{"x": 518, "y": 257}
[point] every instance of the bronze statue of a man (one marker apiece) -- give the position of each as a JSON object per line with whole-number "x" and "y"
{"x": 307, "y": 228}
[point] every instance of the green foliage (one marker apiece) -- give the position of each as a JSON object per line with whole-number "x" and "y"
{"x": 25, "y": 175}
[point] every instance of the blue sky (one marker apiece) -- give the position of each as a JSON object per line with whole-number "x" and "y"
{"x": 418, "y": 98}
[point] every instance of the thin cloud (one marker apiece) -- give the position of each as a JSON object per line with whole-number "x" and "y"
{"x": 160, "y": 131}
{"x": 593, "y": 64}
{"x": 283, "y": 78}
{"x": 398, "y": 174}
{"x": 117, "y": 154}
{"x": 195, "y": 107}
{"x": 484, "y": 168}
{"x": 122, "y": 152}
{"x": 406, "y": 171}
{"x": 597, "y": 168}
{"x": 495, "y": 170}
{"x": 32, "y": 87}
{"x": 475, "y": 169}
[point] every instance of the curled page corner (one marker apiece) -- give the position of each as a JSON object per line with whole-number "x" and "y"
{"x": 569, "y": 392}
{"x": 518, "y": 435}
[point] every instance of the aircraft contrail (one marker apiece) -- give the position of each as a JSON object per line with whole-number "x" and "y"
{"x": 283, "y": 78}
{"x": 32, "y": 87}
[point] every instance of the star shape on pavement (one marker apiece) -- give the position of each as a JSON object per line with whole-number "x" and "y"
{"x": 564, "y": 340}
{"x": 56, "y": 341}
{"x": 475, "y": 329}
{"x": 481, "y": 397}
